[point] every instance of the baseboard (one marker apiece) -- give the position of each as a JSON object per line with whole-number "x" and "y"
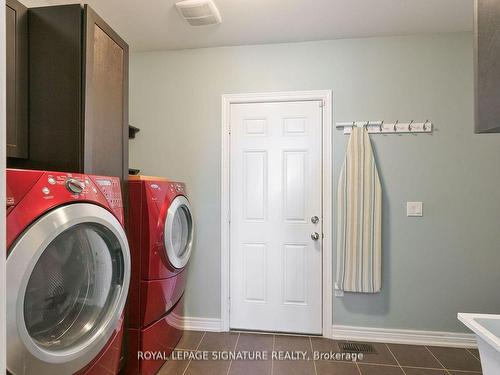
{"x": 202, "y": 324}
{"x": 195, "y": 324}
{"x": 404, "y": 336}
{"x": 353, "y": 333}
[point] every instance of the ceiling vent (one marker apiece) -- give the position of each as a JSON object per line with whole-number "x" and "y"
{"x": 199, "y": 12}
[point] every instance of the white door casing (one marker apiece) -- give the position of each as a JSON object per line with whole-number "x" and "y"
{"x": 276, "y": 185}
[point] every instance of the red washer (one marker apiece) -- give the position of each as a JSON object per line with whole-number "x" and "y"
{"x": 160, "y": 232}
{"x": 68, "y": 273}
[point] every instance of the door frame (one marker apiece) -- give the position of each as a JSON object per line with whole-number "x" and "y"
{"x": 326, "y": 97}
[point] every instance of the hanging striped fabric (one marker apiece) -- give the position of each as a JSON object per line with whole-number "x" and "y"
{"x": 359, "y": 218}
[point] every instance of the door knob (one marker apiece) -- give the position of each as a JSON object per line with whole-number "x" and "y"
{"x": 314, "y": 220}
{"x": 315, "y": 236}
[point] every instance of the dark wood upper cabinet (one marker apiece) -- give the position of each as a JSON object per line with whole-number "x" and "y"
{"x": 487, "y": 65}
{"x": 16, "y": 22}
{"x": 106, "y": 97}
{"x": 78, "y": 93}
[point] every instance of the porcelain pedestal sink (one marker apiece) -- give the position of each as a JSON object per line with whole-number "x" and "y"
{"x": 487, "y": 330}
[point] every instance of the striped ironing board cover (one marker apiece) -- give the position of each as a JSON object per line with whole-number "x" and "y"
{"x": 359, "y": 218}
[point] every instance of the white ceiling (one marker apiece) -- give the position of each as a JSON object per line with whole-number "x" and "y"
{"x": 155, "y": 24}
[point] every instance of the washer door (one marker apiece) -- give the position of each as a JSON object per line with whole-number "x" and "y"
{"x": 67, "y": 282}
{"x": 179, "y": 230}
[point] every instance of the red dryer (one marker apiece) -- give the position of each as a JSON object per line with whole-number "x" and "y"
{"x": 160, "y": 232}
{"x": 68, "y": 273}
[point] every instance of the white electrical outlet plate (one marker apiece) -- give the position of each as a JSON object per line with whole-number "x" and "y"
{"x": 414, "y": 209}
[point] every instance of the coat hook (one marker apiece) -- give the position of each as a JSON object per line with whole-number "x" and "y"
{"x": 380, "y": 126}
{"x": 396, "y": 126}
{"x": 409, "y": 125}
{"x": 425, "y": 125}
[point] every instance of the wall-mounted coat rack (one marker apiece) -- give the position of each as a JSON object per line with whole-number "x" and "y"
{"x": 381, "y": 127}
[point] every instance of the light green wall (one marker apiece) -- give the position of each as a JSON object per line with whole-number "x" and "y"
{"x": 435, "y": 266}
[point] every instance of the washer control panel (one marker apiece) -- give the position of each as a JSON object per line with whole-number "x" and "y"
{"x": 30, "y": 193}
{"x": 54, "y": 183}
{"x": 83, "y": 187}
{"x": 110, "y": 188}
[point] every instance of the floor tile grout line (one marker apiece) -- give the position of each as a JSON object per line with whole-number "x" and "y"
{"x": 272, "y": 359}
{"x": 411, "y": 367}
{"x": 312, "y": 352}
{"x": 197, "y": 346}
{"x": 436, "y": 358}
{"x": 234, "y": 349}
{"x": 377, "y": 364}
{"x": 199, "y": 343}
{"x": 433, "y": 368}
{"x": 264, "y": 333}
{"x": 472, "y": 354}
{"x": 397, "y": 361}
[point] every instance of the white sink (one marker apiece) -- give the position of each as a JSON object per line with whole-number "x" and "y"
{"x": 487, "y": 330}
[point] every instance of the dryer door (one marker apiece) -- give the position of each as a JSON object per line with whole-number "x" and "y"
{"x": 179, "y": 230}
{"x": 67, "y": 282}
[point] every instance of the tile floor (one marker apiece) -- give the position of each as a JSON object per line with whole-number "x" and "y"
{"x": 390, "y": 359}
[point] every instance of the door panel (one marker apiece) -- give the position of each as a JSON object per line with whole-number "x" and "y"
{"x": 294, "y": 186}
{"x": 16, "y": 37}
{"x": 106, "y": 72}
{"x": 486, "y": 68}
{"x": 275, "y": 190}
{"x": 295, "y": 274}
{"x": 104, "y": 107}
{"x": 10, "y": 22}
{"x": 255, "y": 272}
{"x": 255, "y": 195}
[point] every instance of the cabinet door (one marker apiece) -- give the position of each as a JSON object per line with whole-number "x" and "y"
{"x": 16, "y": 21}
{"x": 55, "y": 82}
{"x": 487, "y": 66}
{"x": 106, "y": 99}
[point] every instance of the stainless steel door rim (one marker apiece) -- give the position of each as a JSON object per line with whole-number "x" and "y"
{"x": 24, "y": 355}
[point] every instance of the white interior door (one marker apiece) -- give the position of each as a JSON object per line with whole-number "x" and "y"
{"x": 275, "y": 248}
